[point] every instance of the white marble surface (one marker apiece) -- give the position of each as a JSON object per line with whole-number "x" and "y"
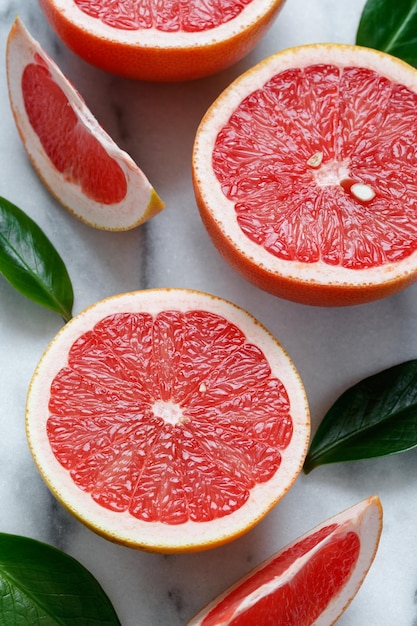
{"x": 332, "y": 348}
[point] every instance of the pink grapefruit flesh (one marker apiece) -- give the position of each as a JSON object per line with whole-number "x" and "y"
{"x": 311, "y": 581}
{"x": 76, "y": 153}
{"x": 167, "y": 419}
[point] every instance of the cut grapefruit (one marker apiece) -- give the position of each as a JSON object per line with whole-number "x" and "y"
{"x": 310, "y": 581}
{"x": 168, "y": 420}
{"x": 304, "y": 173}
{"x": 162, "y": 41}
{"x": 75, "y": 158}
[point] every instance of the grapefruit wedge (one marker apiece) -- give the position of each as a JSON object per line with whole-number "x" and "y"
{"x": 161, "y": 41}
{"x": 72, "y": 154}
{"x": 168, "y": 420}
{"x": 309, "y": 582}
{"x": 304, "y": 173}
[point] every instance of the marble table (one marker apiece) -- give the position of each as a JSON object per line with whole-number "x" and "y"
{"x": 332, "y": 348}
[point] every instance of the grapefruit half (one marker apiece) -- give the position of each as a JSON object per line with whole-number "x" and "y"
{"x": 304, "y": 173}
{"x": 75, "y": 158}
{"x": 162, "y": 41}
{"x": 168, "y": 420}
{"x": 310, "y": 581}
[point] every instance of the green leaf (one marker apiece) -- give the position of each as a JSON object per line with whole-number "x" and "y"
{"x": 391, "y": 27}
{"x": 375, "y": 417}
{"x": 30, "y": 262}
{"x": 40, "y": 585}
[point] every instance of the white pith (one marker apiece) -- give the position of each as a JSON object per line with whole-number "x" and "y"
{"x": 123, "y": 527}
{"x": 222, "y": 210}
{"x": 363, "y": 518}
{"x": 132, "y": 210}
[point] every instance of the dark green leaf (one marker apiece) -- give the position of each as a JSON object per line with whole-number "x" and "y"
{"x": 375, "y": 417}
{"x": 30, "y": 263}
{"x": 42, "y": 586}
{"x": 390, "y": 26}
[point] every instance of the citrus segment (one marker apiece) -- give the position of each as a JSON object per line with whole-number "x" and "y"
{"x": 163, "y": 41}
{"x": 304, "y": 174}
{"x": 311, "y": 581}
{"x": 76, "y": 159}
{"x": 77, "y": 154}
{"x": 167, "y": 419}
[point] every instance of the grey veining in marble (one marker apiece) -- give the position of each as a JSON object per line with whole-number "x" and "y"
{"x": 332, "y": 348}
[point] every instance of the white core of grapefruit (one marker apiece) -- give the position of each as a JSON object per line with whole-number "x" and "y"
{"x": 222, "y": 210}
{"x": 122, "y": 527}
{"x": 141, "y": 200}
